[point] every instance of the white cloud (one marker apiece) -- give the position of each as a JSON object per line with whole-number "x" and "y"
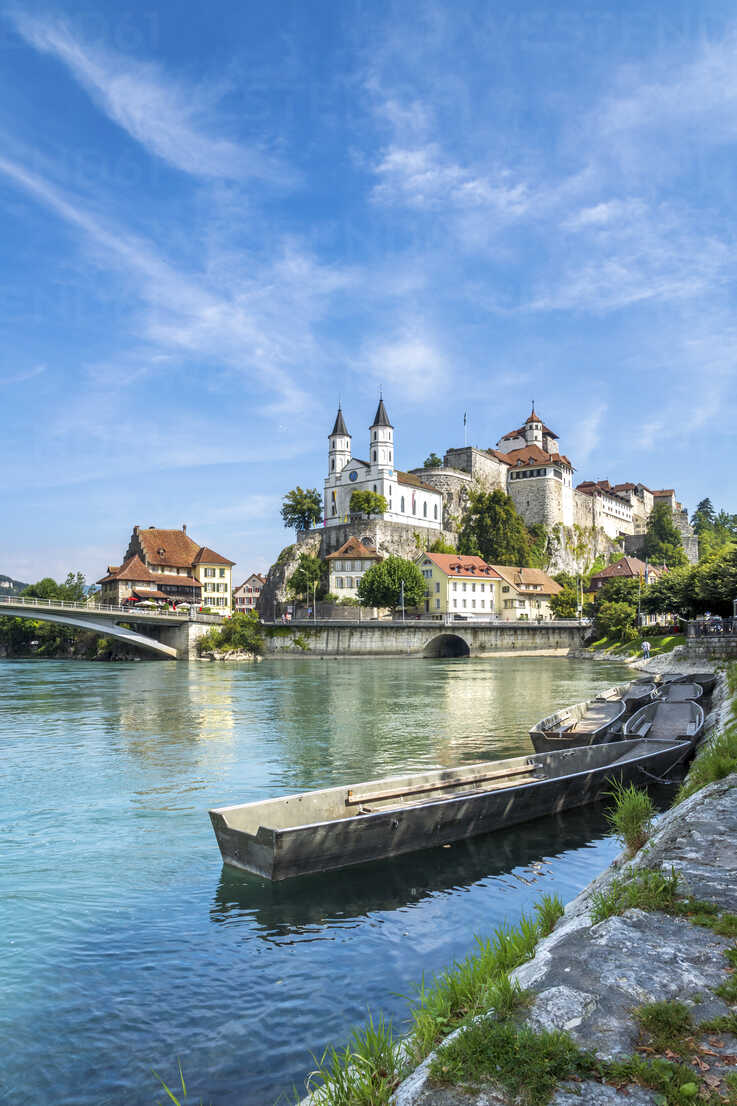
{"x": 422, "y": 177}
{"x": 24, "y": 375}
{"x": 174, "y": 121}
{"x": 411, "y": 364}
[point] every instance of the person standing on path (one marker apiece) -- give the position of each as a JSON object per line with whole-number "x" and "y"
{"x": 646, "y": 650}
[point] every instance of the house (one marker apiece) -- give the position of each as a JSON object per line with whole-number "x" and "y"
{"x": 346, "y": 567}
{"x": 170, "y": 563}
{"x": 247, "y": 593}
{"x": 627, "y": 568}
{"x": 525, "y": 593}
{"x": 458, "y": 585}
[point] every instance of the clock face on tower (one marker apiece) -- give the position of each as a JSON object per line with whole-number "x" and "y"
{"x": 353, "y": 475}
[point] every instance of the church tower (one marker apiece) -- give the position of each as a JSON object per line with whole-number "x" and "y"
{"x": 339, "y": 453}
{"x": 381, "y": 443}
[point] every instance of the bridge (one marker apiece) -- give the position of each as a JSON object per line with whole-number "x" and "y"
{"x": 168, "y": 633}
{"x": 424, "y": 638}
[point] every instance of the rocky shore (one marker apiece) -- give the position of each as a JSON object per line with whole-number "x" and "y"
{"x": 590, "y": 977}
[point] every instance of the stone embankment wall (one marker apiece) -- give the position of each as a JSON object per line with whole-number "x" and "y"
{"x": 420, "y": 638}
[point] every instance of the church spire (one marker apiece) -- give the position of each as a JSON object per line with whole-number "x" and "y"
{"x": 340, "y": 426}
{"x": 381, "y": 418}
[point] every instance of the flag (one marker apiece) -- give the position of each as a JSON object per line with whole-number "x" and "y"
{"x": 464, "y": 418}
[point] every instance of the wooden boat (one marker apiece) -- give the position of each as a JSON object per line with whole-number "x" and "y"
{"x": 637, "y": 694}
{"x": 582, "y": 724}
{"x": 318, "y": 831}
{"x": 667, "y": 721}
{"x": 706, "y": 679}
{"x": 679, "y": 691}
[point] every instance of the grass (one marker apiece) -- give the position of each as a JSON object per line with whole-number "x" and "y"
{"x": 718, "y": 758}
{"x": 645, "y": 890}
{"x": 370, "y": 1067}
{"x": 661, "y": 644}
{"x": 632, "y": 815}
{"x": 365, "y": 1073}
{"x": 527, "y": 1064}
{"x": 481, "y": 981}
{"x": 666, "y": 1025}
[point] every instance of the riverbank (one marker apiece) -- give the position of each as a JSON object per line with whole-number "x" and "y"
{"x": 632, "y": 994}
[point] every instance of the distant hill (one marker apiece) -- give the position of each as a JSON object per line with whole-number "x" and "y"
{"x": 9, "y": 586}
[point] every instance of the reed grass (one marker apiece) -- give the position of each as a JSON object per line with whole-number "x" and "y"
{"x": 632, "y": 815}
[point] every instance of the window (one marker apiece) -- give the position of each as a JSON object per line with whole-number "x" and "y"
{"x": 435, "y": 511}
{"x": 339, "y": 581}
{"x": 437, "y": 604}
{"x": 424, "y": 509}
{"x": 374, "y": 454}
{"x": 473, "y": 602}
{"x": 483, "y": 602}
{"x": 505, "y": 587}
{"x": 473, "y": 587}
{"x": 437, "y": 587}
{"x": 349, "y": 581}
{"x": 332, "y": 466}
{"x": 222, "y": 571}
{"x": 402, "y": 504}
{"x": 464, "y": 603}
{"x": 209, "y": 572}
{"x": 464, "y": 586}
{"x": 455, "y": 602}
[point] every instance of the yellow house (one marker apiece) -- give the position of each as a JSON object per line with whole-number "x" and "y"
{"x": 525, "y": 594}
{"x": 455, "y": 585}
{"x": 215, "y": 573}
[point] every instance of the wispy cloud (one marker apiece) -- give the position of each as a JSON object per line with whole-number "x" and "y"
{"x": 174, "y": 121}
{"x": 24, "y": 375}
{"x": 256, "y": 316}
{"x": 411, "y": 364}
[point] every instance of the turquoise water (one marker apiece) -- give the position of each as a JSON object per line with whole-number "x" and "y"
{"x": 125, "y": 943}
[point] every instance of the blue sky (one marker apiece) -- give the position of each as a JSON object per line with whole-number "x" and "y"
{"x": 214, "y": 221}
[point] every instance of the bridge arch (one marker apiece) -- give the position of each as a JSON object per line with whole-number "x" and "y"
{"x": 106, "y": 628}
{"x": 447, "y": 645}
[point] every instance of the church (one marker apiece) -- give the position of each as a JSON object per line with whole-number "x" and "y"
{"x": 409, "y": 499}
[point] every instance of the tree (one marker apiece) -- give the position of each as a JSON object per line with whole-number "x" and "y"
{"x": 432, "y": 462}
{"x": 663, "y": 543}
{"x": 309, "y": 571}
{"x": 703, "y": 516}
{"x": 622, "y": 589}
{"x": 302, "y": 508}
{"x": 367, "y": 503}
{"x": 381, "y": 586}
{"x": 674, "y": 593}
{"x": 241, "y": 632}
{"x": 565, "y": 603}
{"x": 616, "y": 619}
{"x": 440, "y": 546}
{"x": 492, "y": 529}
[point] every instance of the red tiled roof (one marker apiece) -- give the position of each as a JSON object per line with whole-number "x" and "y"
{"x": 664, "y": 492}
{"x": 133, "y": 569}
{"x": 206, "y": 556}
{"x": 530, "y": 455}
{"x": 179, "y": 581}
{"x": 523, "y": 579}
{"x": 177, "y": 548}
{"x": 532, "y": 417}
{"x": 354, "y": 548}
{"x": 591, "y": 487}
{"x": 413, "y": 481}
{"x": 630, "y": 567}
{"x": 453, "y": 564}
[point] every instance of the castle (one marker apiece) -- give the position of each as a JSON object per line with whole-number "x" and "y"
{"x": 526, "y": 464}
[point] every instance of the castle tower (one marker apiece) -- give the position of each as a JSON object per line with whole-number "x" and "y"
{"x": 339, "y": 453}
{"x": 534, "y": 429}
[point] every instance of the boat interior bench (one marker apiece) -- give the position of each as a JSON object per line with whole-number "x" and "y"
{"x": 422, "y": 793}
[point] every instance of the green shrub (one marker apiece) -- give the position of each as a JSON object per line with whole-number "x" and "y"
{"x": 240, "y": 633}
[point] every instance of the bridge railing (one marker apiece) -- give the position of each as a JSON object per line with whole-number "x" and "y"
{"x": 103, "y": 608}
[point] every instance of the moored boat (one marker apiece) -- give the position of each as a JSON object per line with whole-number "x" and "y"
{"x": 637, "y": 694}
{"x": 584, "y": 723}
{"x": 680, "y": 691}
{"x": 707, "y": 680}
{"x": 318, "y": 831}
{"x": 667, "y": 721}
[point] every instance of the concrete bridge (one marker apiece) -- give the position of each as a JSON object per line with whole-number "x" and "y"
{"x": 424, "y": 638}
{"x": 171, "y": 634}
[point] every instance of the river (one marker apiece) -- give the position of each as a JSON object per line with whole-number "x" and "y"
{"x": 127, "y": 945}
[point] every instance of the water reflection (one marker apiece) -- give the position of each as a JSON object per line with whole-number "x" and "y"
{"x": 291, "y": 906}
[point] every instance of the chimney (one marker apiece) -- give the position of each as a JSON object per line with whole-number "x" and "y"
{"x": 184, "y": 527}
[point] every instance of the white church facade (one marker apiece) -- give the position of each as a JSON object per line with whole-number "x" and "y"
{"x": 409, "y": 499}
